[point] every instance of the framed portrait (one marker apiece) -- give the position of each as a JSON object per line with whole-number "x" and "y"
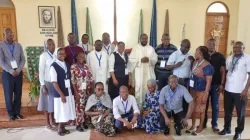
{"x": 47, "y": 17}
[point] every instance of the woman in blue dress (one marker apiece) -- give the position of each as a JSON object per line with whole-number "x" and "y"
{"x": 150, "y": 114}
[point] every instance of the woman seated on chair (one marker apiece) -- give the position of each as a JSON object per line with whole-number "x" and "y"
{"x": 98, "y": 107}
{"x": 150, "y": 118}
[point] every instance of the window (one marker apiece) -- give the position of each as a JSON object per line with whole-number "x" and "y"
{"x": 217, "y": 8}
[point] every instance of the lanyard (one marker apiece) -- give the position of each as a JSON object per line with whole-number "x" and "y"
{"x": 172, "y": 93}
{"x": 236, "y": 61}
{"x": 50, "y": 55}
{"x": 84, "y": 48}
{"x": 99, "y": 59}
{"x": 125, "y": 107}
{"x": 196, "y": 66}
{"x": 73, "y": 53}
{"x": 11, "y": 50}
{"x": 81, "y": 68}
{"x": 164, "y": 54}
{"x": 107, "y": 49}
{"x": 99, "y": 104}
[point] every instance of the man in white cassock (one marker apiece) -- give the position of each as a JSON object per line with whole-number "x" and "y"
{"x": 142, "y": 59}
{"x": 97, "y": 60}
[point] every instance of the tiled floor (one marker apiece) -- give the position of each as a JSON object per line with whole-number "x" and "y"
{"x": 39, "y": 133}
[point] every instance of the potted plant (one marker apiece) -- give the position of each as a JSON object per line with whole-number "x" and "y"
{"x": 34, "y": 87}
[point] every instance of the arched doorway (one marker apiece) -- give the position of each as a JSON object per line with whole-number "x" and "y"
{"x": 217, "y": 23}
{"x": 7, "y": 18}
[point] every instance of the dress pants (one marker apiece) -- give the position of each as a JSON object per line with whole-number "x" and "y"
{"x": 12, "y": 86}
{"x": 231, "y": 100}
{"x": 177, "y": 118}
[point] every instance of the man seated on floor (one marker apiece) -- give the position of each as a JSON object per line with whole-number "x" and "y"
{"x": 125, "y": 110}
{"x": 170, "y": 102}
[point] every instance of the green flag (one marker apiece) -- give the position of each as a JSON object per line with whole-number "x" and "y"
{"x": 89, "y": 28}
{"x": 140, "y": 26}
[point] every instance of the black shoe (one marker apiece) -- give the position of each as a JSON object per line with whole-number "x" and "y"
{"x": 225, "y": 131}
{"x": 166, "y": 131}
{"x": 19, "y": 116}
{"x": 11, "y": 118}
{"x": 177, "y": 130}
{"x": 237, "y": 136}
{"x": 84, "y": 126}
{"x": 117, "y": 130}
{"x": 79, "y": 128}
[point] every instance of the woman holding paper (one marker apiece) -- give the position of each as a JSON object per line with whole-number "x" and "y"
{"x": 99, "y": 106}
{"x": 200, "y": 82}
{"x": 82, "y": 81}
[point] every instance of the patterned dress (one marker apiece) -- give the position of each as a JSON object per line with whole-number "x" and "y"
{"x": 151, "y": 122}
{"x": 77, "y": 77}
{"x": 107, "y": 125}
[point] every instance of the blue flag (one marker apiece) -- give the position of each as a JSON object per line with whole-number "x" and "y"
{"x": 153, "y": 30}
{"x": 74, "y": 20}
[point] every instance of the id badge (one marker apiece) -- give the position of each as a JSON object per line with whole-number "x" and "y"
{"x": 126, "y": 71}
{"x": 126, "y": 120}
{"x": 191, "y": 83}
{"x": 163, "y": 64}
{"x": 13, "y": 64}
{"x": 84, "y": 85}
{"x": 99, "y": 119}
{"x": 67, "y": 83}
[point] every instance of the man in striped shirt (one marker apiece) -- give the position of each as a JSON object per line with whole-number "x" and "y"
{"x": 12, "y": 62}
{"x": 163, "y": 51}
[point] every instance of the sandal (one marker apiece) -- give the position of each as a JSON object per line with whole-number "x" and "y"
{"x": 194, "y": 133}
{"x": 190, "y": 130}
{"x": 50, "y": 128}
{"x": 66, "y": 131}
{"x": 60, "y": 133}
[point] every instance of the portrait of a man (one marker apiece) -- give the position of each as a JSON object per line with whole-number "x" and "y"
{"x": 47, "y": 17}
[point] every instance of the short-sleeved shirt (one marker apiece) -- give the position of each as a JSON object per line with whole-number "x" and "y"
{"x": 184, "y": 70}
{"x": 236, "y": 80}
{"x": 163, "y": 54}
{"x": 172, "y": 100}
{"x": 200, "y": 83}
{"x": 217, "y": 60}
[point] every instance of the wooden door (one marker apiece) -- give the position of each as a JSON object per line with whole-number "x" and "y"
{"x": 217, "y": 27}
{"x": 7, "y": 20}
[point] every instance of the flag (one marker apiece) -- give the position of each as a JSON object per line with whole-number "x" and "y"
{"x": 153, "y": 31}
{"x": 60, "y": 37}
{"x": 89, "y": 28}
{"x": 74, "y": 20}
{"x": 166, "y": 26}
{"x": 140, "y": 26}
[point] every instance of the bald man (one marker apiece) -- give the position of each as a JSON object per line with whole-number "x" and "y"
{"x": 12, "y": 62}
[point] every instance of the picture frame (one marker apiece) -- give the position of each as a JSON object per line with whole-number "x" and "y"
{"x": 46, "y": 16}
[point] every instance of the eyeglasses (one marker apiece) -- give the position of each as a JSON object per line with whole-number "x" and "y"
{"x": 100, "y": 89}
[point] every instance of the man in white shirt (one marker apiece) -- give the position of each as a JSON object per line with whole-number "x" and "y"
{"x": 97, "y": 60}
{"x": 125, "y": 110}
{"x": 236, "y": 89}
{"x": 180, "y": 62}
{"x": 107, "y": 46}
{"x": 85, "y": 44}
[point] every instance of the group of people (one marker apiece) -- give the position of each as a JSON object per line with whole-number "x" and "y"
{"x": 89, "y": 85}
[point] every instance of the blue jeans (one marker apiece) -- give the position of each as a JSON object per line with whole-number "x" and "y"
{"x": 215, "y": 96}
{"x": 119, "y": 124}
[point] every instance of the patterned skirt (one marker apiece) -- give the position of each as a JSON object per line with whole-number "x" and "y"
{"x": 200, "y": 106}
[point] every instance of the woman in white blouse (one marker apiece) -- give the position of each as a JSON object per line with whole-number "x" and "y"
{"x": 46, "y": 99}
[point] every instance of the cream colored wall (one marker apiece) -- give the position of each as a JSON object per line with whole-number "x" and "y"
{"x": 244, "y": 24}
{"x": 191, "y": 12}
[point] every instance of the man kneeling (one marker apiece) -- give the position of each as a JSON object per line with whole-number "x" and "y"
{"x": 125, "y": 110}
{"x": 170, "y": 103}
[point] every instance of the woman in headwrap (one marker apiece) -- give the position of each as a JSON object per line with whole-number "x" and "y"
{"x": 82, "y": 81}
{"x": 99, "y": 106}
{"x": 46, "y": 99}
{"x": 150, "y": 119}
{"x": 64, "y": 103}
